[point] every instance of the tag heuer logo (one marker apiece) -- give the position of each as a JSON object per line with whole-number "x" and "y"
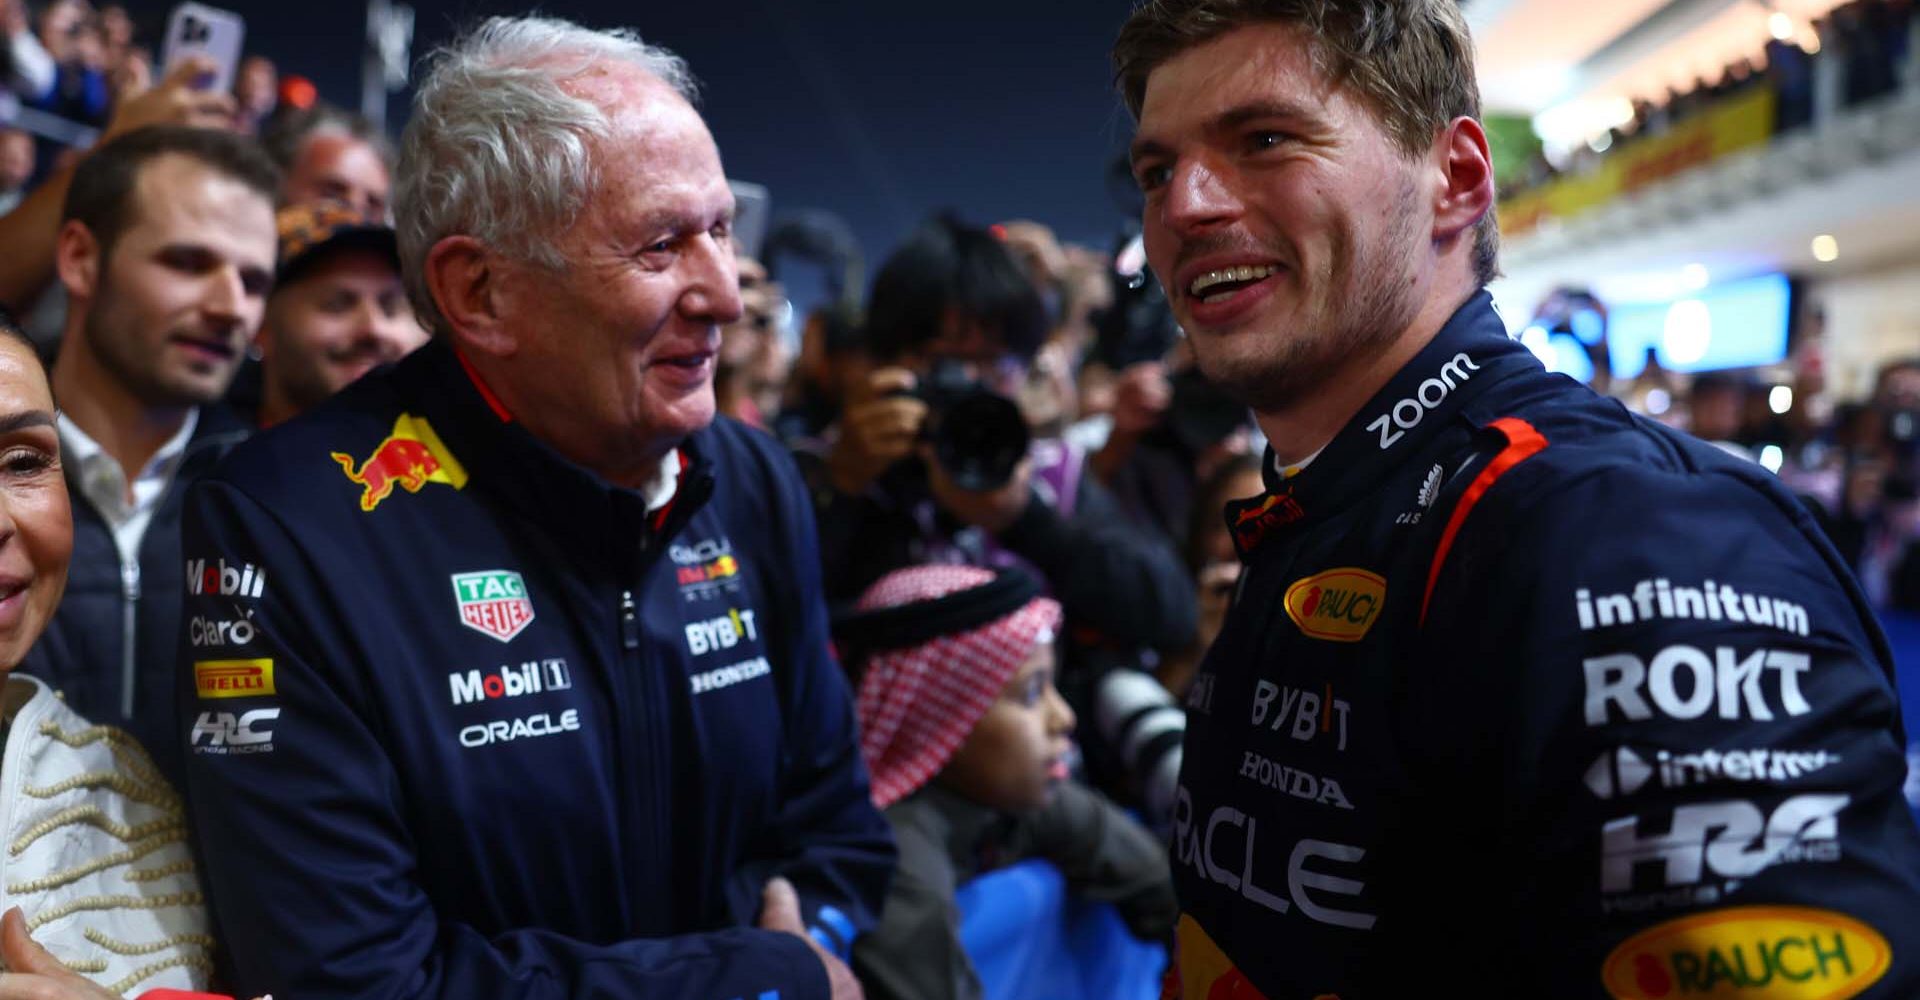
{"x": 493, "y": 601}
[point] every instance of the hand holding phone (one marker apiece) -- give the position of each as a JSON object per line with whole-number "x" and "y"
{"x": 195, "y": 29}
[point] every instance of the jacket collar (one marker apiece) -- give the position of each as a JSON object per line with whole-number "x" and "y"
{"x": 1470, "y": 354}
{"x": 507, "y": 461}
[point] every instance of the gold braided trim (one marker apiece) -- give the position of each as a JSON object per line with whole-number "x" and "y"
{"x": 120, "y": 947}
{"x": 101, "y": 863}
{"x": 86, "y": 903}
{"x": 146, "y": 972}
{"x": 179, "y": 867}
{"x": 158, "y": 796}
{"x": 88, "y": 965}
{"x": 94, "y": 816}
{"x": 126, "y": 749}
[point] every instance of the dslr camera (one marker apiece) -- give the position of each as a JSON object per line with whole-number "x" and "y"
{"x": 978, "y": 436}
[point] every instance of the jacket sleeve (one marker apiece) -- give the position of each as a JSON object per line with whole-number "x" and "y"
{"x": 826, "y": 837}
{"x": 916, "y": 953}
{"x": 1694, "y": 718}
{"x": 304, "y": 831}
{"x": 1108, "y": 857}
{"x": 1127, "y": 584}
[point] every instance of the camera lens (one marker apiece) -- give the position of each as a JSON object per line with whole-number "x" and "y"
{"x": 979, "y": 438}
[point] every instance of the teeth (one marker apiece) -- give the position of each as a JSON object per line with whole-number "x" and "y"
{"x": 1225, "y": 275}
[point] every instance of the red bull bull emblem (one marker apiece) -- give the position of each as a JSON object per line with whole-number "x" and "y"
{"x": 1250, "y": 520}
{"x": 410, "y": 458}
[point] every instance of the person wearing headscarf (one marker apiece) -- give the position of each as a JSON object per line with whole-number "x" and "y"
{"x": 967, "y": 743}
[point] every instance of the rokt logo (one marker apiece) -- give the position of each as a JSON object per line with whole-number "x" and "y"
{"x": 531, "y": 677}
{"x": 243, "y": 580}
{"x": 1770, "y": 952}
{"x": 1727, "y": 680}
{"x": 1339, "y": 605}
{"x": 227, "y": 733}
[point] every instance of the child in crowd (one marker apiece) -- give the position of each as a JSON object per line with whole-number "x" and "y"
{"x": 967, "y": 743}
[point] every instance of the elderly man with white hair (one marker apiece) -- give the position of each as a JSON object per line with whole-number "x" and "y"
{"x": 505, "y": 671}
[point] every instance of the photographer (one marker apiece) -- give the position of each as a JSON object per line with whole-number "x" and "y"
{"x": 952, "y": 315}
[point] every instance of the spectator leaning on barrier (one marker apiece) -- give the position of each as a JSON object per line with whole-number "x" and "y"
{"x": 1503, "y": 654}
{"x": 967, "y": 738}
{"x": 167, "y": 255}
{"x": 537, "y": 644}
{"x": 338, "y": 308}
{"x": 952, "y": 299}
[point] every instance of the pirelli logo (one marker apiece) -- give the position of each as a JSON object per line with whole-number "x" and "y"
{"x": 233, "y": 678}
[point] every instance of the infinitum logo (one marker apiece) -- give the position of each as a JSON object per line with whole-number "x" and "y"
{"x": 1650, "y": 600}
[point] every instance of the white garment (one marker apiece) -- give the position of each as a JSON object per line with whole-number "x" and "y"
{"x": 96, "y": 850}
{"x": 105, "y": 485}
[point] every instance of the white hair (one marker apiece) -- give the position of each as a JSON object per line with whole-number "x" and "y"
{"x": 497, "y": 150}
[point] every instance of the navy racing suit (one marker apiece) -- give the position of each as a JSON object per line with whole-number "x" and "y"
{"x": 1522, "y": 695}
{"x": 463, "y": 720}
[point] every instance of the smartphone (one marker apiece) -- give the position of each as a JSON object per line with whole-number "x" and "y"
{"x": 196, "y": 29}
{"x": 752, "y": 210}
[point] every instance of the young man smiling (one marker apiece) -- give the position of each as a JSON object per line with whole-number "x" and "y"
{"x": 1542, "y": 796}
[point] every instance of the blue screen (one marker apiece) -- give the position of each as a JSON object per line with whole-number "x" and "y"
{"x": 1736, "y": 325}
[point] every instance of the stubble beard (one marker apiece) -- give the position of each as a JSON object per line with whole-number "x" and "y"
{"x": 1353, "y": 319}
{"x": 117, "y": 350}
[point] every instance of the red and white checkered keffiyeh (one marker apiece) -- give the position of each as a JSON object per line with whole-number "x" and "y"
{"x": 917, "y": 705}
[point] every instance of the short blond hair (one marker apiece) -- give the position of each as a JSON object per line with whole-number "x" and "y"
{"x": 1410, "y": 62}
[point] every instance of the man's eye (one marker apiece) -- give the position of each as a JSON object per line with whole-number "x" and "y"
{"x": 1152, "y": 177}
{"x": 1265, "y": 140}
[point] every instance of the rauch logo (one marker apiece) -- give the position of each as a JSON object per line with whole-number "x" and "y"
{"x": 1775, "y": 952}
{"x": 1339, "y": 605}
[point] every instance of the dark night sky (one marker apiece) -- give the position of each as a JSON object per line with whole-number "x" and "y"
{"x": 879, "y": 112}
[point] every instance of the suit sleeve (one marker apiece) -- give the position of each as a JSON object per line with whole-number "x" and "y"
{"x": 1696, "y": 730}
{"x": 304, "y": 834}
{"x": 826, "y": 836}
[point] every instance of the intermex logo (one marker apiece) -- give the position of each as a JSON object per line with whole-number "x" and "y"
{"x": 1339, "y": 605}
{"x": 223, "y": 580}
{"x": 531, "y": 677}
{"x": 1771, "y": 952}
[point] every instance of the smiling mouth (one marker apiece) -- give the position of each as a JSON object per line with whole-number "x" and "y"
{"x": 1215, "y": 286}
{"x": 218, "y": 347}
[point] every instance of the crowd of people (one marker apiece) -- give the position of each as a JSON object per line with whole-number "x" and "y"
{"x": 1857, "y": 52}
{"x": 556, "y": 659}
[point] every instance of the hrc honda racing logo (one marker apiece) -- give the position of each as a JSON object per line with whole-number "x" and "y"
{"x": 223, "y": 733}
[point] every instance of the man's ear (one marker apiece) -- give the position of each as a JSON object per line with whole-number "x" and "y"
{"x": 1464, "y": 193}
{"x": 467, "y": 282}
{"x": 77, "y": 259}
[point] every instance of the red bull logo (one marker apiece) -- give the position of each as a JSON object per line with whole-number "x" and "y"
{"x": 719, "y": 569}
{"x": 1201, "y": 971}
{"x": 410, "y": 458}
{"x": 1252, "y": 519}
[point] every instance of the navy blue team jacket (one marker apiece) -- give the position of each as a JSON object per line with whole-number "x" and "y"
{"x": 461, "y": 720}
{"x": 1524, "y": 696}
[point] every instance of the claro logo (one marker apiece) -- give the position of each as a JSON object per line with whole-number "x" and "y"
{"x": 1339, "y": 605}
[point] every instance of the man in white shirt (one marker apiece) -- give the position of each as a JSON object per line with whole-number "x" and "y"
{"x": 167, "y": 253}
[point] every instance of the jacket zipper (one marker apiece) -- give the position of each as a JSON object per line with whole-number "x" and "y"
{"x": 129, "y": 620}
